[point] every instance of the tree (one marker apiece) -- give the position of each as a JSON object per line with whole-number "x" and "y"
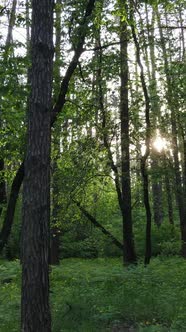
{"x": 35, "y": 314}
{"x": 173, "y": 103}
{"x": 144, "y": 158}
{"x": 129, "y": 251}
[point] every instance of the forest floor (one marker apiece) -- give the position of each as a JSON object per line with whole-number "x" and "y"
{"x": 99, "y": 295}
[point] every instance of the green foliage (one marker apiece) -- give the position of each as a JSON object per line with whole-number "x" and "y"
{"x": 165, "y": 239}
{"x": 10, "y": 296}
{"x": 150, "y": 297}
{"x": 95, "y": 295}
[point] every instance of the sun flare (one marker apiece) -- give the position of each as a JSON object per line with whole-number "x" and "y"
{"x": 159, "y": 143}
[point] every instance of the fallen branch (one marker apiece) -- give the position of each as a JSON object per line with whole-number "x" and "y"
{"x": 97, "y": 224}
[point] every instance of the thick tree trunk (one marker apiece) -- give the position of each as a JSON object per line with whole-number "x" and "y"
{"x": 35, "y": 311}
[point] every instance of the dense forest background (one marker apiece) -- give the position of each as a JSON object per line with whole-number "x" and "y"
{"x": 117, "y": 158}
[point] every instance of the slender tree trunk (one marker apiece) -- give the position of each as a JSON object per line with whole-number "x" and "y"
{"x": 144, "y": 158}
{"x": 55, "y": 231}
{"x": 129, "y": 254}
{"x": 35, "y": 311}
{"x": 2, "y": 186}
{"x": 157, "y": 202}
{"x": 124, "y": 199}
{"x": 9, "y": 40}
{"x": 172, "y": 107}
{"x": 7, "y": 224}
{"x": 169, "y": 199}
{"x": 156, "y": 179}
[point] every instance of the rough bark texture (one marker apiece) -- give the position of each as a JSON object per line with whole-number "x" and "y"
{"x": 35, "y": 311}
{"x": 129, "y": 251}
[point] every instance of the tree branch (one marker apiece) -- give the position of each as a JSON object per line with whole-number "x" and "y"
{"x": 97, "y": 224}
{"x": 82, "y": 31}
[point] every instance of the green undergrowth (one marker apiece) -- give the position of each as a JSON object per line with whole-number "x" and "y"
{"x": 98, "y": 294}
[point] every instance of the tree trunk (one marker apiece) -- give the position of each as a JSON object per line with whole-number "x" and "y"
{"x": 172, "y": 107}
{"x": 2, "y": 187}
{"x": 55, "y": 231}
{"x": 7, "y": 224}
{"x": 9, "y": 40}
{"x": 144, "y": 158}
{"x": 35, "y": 311}
{"x": 156, "y": 120}
{"x": 124, "y": 200}
{"x": 169, "y": 199}
{"x": 157, "y": 193}
{"x": 129, "y": 254}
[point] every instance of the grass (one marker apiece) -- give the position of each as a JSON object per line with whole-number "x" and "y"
{"x": 94, "y": 295}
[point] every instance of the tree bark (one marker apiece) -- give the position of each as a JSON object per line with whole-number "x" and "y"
{"x": 9, "y": 38}
{"x": 144, "y": 158}
{"x": 55, "y": 231}
{"x": 35, "y": 310}
{"x": 156, "y": 118}
{"x": 129, "y": 254}
{"x": 157, "y": 193}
